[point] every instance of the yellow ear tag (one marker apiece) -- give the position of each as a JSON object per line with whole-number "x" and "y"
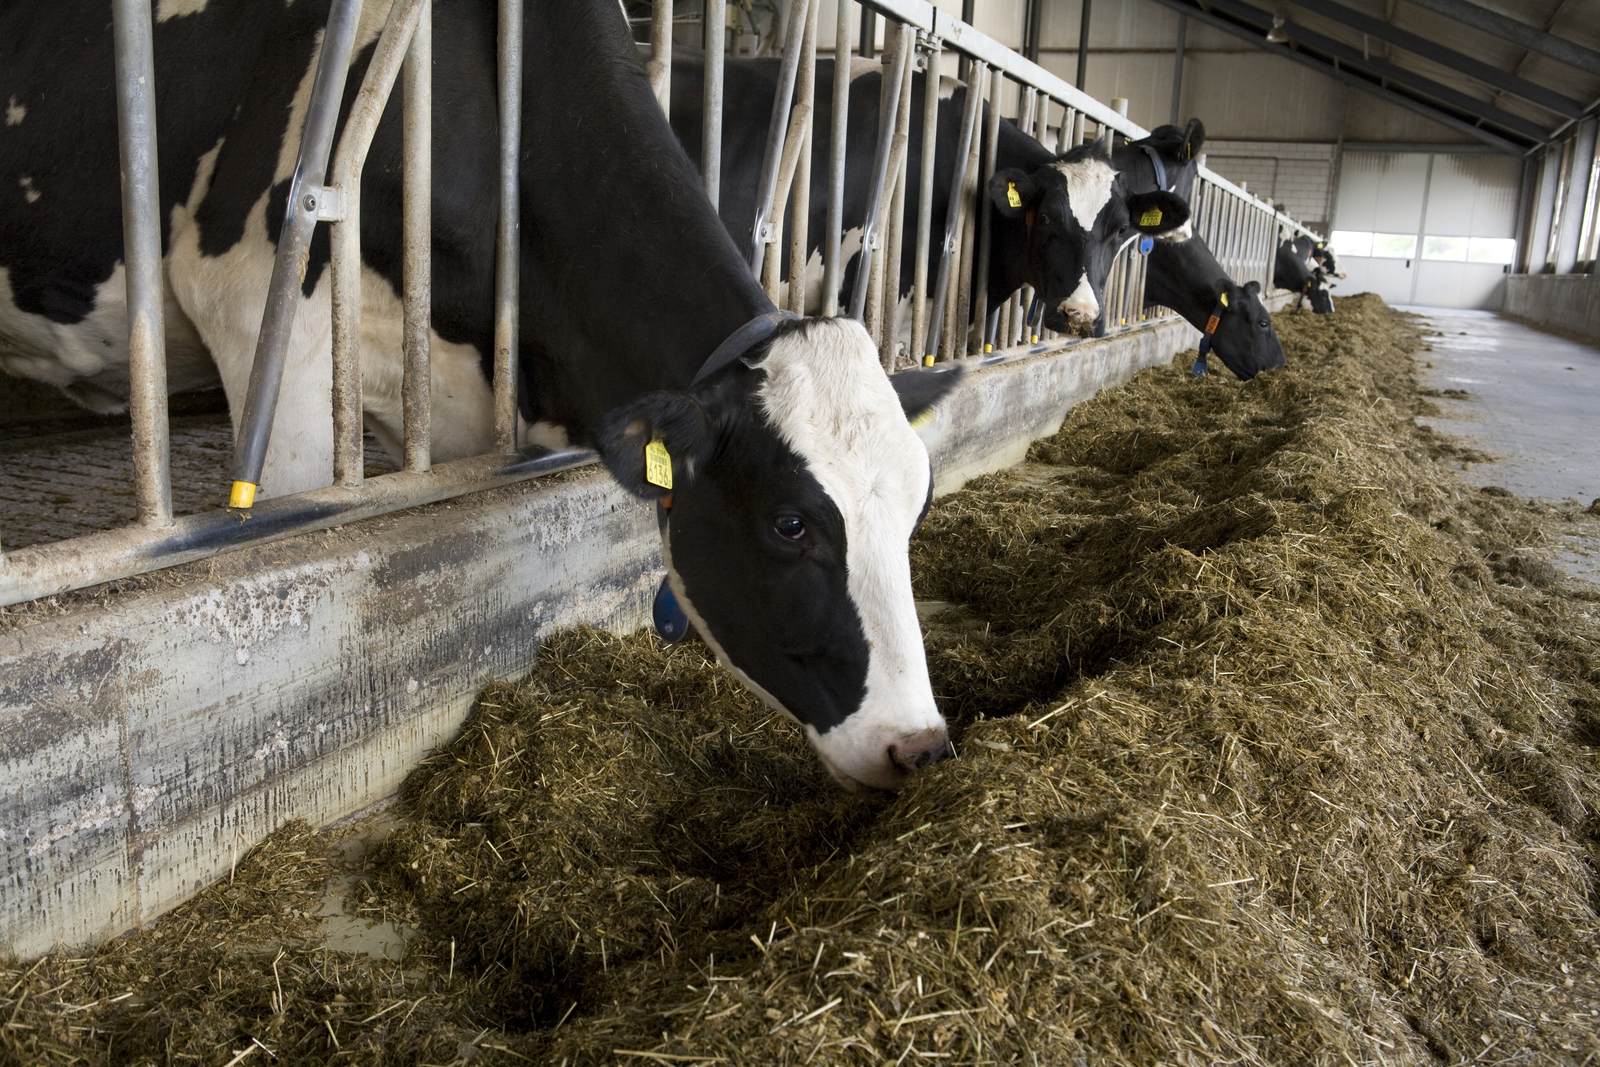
{"x": 1013, "y": 197}
{"x": 1151, "y": 217}
{"x": 1224, "y": 299}
{"x": 657, "y": 464}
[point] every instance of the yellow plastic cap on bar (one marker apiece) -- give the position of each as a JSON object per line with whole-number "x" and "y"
{"x": 243, "y": 495}
{"x": 927, "y": 360}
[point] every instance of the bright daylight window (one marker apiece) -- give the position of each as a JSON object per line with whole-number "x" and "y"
{"x": 1394, "y": 245}
{"x": 1450, "y": 249}
{"x": 1491, "y": 250}
{"x": 1351, "y": 243}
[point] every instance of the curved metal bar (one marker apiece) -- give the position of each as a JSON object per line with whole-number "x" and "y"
{"x": 508, "y": 234}
{"x": 952, "y": 216}
{"x": 779, "y": 122}
{"x": 833, "y": 234}
{"x": 880, "y": 171}
{"x": 300, "y": 218}
{"x": 715, "y": 29}
{"x": 348, "y": 161}
{"x": 417, "y": 244}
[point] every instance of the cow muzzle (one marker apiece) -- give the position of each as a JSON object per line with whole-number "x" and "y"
{"x": 890, "y": 767}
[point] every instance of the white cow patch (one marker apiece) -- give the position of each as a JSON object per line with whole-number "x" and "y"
{"x": 828, "y": 399}
{"x": 15, "y": 113}
{"x": 1081, "y": 303}
{"x": 88, "y": 360}
{"x": 171, "y": 9}
{"x": 1088, "y": 188}
{"x": 29, "y": 193}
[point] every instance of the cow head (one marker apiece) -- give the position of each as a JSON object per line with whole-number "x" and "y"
{"x": 1245, "y": 339}
{"x": 1075, "y": 214}
{"x": 1179, "y": 151}
{"x": 797, "y": 482}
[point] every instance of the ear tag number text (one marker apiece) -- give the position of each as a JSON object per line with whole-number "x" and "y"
{"x": 1151, "y": 217}
{"x": 657, "y": 464}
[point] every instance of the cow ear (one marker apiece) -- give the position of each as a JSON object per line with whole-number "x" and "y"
{"x": 1012, "y": 192}
{"x": 1253, "y": 288}
{"x": 1194, "y": 138}
{"x": 649, "y": 443}
{"x": 919, "y": 390}
{"x": 1227, "y": 293}
{"x": 1158, "y": 212}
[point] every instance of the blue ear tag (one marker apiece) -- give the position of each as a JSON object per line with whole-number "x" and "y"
{"x": 671, "y": 623}
{"x": 1200, "y": 367}
{"x": 1145, "y": 245}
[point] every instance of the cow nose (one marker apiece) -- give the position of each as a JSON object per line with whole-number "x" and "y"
{"x": 914, "y": 757}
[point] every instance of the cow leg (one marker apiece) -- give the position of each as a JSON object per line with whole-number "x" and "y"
{"x": 224, "y": 296}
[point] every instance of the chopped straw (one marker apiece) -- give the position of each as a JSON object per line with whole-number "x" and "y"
{"x": 1277, "y": 745}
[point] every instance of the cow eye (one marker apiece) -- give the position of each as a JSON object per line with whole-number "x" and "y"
{"x": 1044, "y": 220}
{"x": 1265, "y": 324}
{"x": 790, "y": 526}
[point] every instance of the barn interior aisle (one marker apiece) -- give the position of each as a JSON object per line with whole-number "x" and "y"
{"x": 1277, "y": 745}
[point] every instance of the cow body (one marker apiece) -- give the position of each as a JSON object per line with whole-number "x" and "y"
{"x": 1063, "y": 249}
{"x": 1186, "y": 277}
{"x": 795, "y": 477}
{"x": 1293, "y": 268}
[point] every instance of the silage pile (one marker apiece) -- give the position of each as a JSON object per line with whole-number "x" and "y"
{"x": 1277, "y": 746}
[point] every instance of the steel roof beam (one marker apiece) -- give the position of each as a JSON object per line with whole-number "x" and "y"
{"x": 1444, "y": 118}
{"x": 1448, "y": 57}
{"x": 1530, "y": 37}
{"x": 1382, "y": 68}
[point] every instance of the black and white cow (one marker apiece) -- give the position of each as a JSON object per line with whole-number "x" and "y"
{"x": 1186, "y": 277}
{"x": 796, "y": 480}
{"x": 1167, "y": 158}
{"x": 1058, "y": 220}
{"x": 1295, "y": 269}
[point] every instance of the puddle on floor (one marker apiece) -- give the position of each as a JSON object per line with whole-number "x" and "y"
{"x": 342, "y": 923}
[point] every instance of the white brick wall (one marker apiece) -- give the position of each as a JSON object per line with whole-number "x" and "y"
{"x": 1297, "y": 175}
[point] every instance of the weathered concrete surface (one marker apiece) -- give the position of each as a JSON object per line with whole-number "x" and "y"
{"x": 1568, "y": 301}
{"x": 150, "y": 733}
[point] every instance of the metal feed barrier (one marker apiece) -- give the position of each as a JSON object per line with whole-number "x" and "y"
{"x": 1241, "y": 230}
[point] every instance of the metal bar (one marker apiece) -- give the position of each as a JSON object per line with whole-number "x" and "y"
{"x": 952, "y": 216}
{"x": 348, "y": 162}
{"x": 1177, "y": 68}
{"x": 880, "y": 169}
{"x": 1447, "y": 57}
{"x": 897, "y": 211}
{"x": 833, "y": 232}
{"x": 930, "y": 138}
{"x": 1083, "y": 45}
{"x": 294, "y": 240}
{"x": 991, "y": 148}
{"x": 46, "y": 570}
{"x": 961, "y": 304}
{"x": 507, "y": 282}
{"x": 777, "y": 124}
{"x": 715, "y": 28}
{"x": 417, "y": 236}
{"x": 1520, "y": 33}
{"x": 1064, "y": 133}
{"x": 800, "y": 212}
{"x": 794, "y": 139}
{"x": 869, "y": 34}
{"x": 660, "y": 65}
{"x": 141, "y": 245}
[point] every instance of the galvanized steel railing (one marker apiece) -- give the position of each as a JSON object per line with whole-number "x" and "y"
{"x": 1241, "y": 230}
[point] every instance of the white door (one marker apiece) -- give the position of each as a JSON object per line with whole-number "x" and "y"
{"x": 1433, "y": 229}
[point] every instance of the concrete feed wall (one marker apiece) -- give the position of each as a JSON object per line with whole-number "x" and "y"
{"x": 148, "y": 735}
{"x": 1567, "y": 301}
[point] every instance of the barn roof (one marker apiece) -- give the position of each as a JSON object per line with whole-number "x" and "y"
{"x": 1515, "y": 74}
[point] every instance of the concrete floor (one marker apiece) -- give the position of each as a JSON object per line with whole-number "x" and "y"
{"x": 1532, "y": 402}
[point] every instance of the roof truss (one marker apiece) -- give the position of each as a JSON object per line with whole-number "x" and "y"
{"x": 1374, "y": 76}
{"x": 1529, "y": 37}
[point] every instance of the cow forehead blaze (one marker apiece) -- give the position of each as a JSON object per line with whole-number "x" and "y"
{"x": 827, "y": 398}
{"x": 1089, "y": 183}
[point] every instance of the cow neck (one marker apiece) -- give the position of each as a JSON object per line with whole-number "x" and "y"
{"x": 633, "y": 282}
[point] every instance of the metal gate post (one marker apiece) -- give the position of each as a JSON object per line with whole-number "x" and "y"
{"x": 978, "y": 72}
{"x": 777, "y": 125}
{"x": 880, "y": 173}
{"x": 417, "y": 240}
{"x": 348, "y": 162}
{"x": 507, "y": 236}
{"x": 141, "y": 244}
{"x": 715, "y": 41}
{"x": 985, "y": 208}
{"x": 660, "y": 65}
{"x": 930, "y": 143}
{"x": 305, "y": 204}
{"x": 832, "y": 268}
{"x": 800, "y": 212}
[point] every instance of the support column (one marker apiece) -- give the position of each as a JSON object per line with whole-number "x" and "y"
{"x": 1177, "y": 70}
{"x": 1575, "y": 203}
